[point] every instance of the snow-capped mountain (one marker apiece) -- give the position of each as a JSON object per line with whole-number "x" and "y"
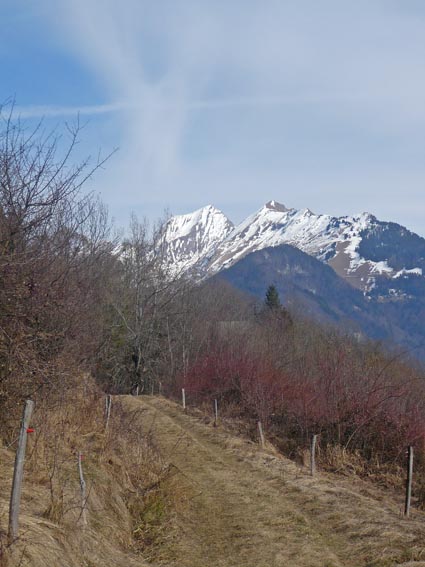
{"x": 207, "y": 240}
{"x": 356, "y": 271}
{"x": 329, "y": 239}
{"x": 190, "y": 239}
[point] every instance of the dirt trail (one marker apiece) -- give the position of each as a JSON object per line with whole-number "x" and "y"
{"x": 251, "y": 508}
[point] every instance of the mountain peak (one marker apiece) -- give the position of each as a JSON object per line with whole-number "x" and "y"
{"x": 211, "y": 208}
{"x": 275, "y": 206}
{"x": 192, "y": 236}
{"x": 182, "y": 225}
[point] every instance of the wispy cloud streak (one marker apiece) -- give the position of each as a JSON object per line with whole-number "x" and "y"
{"x": 40, "y": 111}
{"x": 48, "y": 111}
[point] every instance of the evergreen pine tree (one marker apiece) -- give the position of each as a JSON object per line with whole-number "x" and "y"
{"x": 272, "y": 300}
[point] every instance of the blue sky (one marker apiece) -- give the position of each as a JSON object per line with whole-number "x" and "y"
{"x": 232, "y": 102}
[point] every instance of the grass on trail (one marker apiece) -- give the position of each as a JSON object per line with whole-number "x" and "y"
{"x": 165, "y": 488}
{"x": 251, "y": 507}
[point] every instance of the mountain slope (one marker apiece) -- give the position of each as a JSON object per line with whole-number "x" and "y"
{"x": 361, "y": 249}
{"x": 317, "y": 292}
{"x": 308, "y": 285}
{"x": 274, "y": 224}
{"x": 383, "y": 262}
{"x": 190, "y": 239}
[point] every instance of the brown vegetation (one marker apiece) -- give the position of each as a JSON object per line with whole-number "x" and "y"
{"x": 60, "y": 280}
{"x": 54, "y": 254}
{"x": 250, "y": 507}
{"x": 130, "y": 501}
{"x": 299, "y": 379}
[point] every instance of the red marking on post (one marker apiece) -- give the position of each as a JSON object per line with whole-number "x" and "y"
{"x": 30, "y": 430}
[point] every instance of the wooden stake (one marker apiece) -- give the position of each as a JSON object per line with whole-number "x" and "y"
{"x": 184, "y": 399}
{"x": 83, "y": 490}
{"x": 215, "y": 413}
{"x": 313, "y": 455}
{"x": 260, "y": 431}
{"x": 15, "y": 498}
{"x": 108, "y": 410}
{"x": 409, "y": 481}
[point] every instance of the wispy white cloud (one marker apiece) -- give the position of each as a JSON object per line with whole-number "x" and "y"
{"x": 335, "y": 84}
{"x": 41, "y": 111}
{"x": 53, "y": 111}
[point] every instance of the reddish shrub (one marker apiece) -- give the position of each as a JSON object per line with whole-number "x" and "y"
{"x": 352, "y": 397}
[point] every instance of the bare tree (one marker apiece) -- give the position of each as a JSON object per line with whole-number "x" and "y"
{"x": 54, "y": 242}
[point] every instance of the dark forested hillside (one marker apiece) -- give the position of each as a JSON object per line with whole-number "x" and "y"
{"x": 314, "y": 290}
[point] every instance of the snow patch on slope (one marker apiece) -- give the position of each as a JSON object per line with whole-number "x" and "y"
{"x": 190, "y": 238}
{"x": 404, "y": 272}
{"x": 322, "y": 236}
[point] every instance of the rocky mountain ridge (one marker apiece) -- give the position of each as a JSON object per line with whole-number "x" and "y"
{"x": 359, "y": 248}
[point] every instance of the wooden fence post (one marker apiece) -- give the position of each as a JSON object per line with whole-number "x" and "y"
{"x": 215, "y": 413}
{"x": 15, "y": 498}
{"x": 260, "y": 431}
{"x": 108, "y": 405}
{"x": 409, "y": 481}
{"x": 82, "y": 490}
{"x": 184, "y": 399}
{"x": 313, "y": 455}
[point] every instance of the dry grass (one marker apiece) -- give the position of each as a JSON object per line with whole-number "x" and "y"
{"x": 128, "y": 505}
{"x": 331, "y": 458}
{"x": 167, "y": 488}
{"x": 254, "y": 508}
{"x": 337, "y": 459}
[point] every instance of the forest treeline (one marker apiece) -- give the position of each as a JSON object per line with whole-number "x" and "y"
{"x": 74, "y": 299}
